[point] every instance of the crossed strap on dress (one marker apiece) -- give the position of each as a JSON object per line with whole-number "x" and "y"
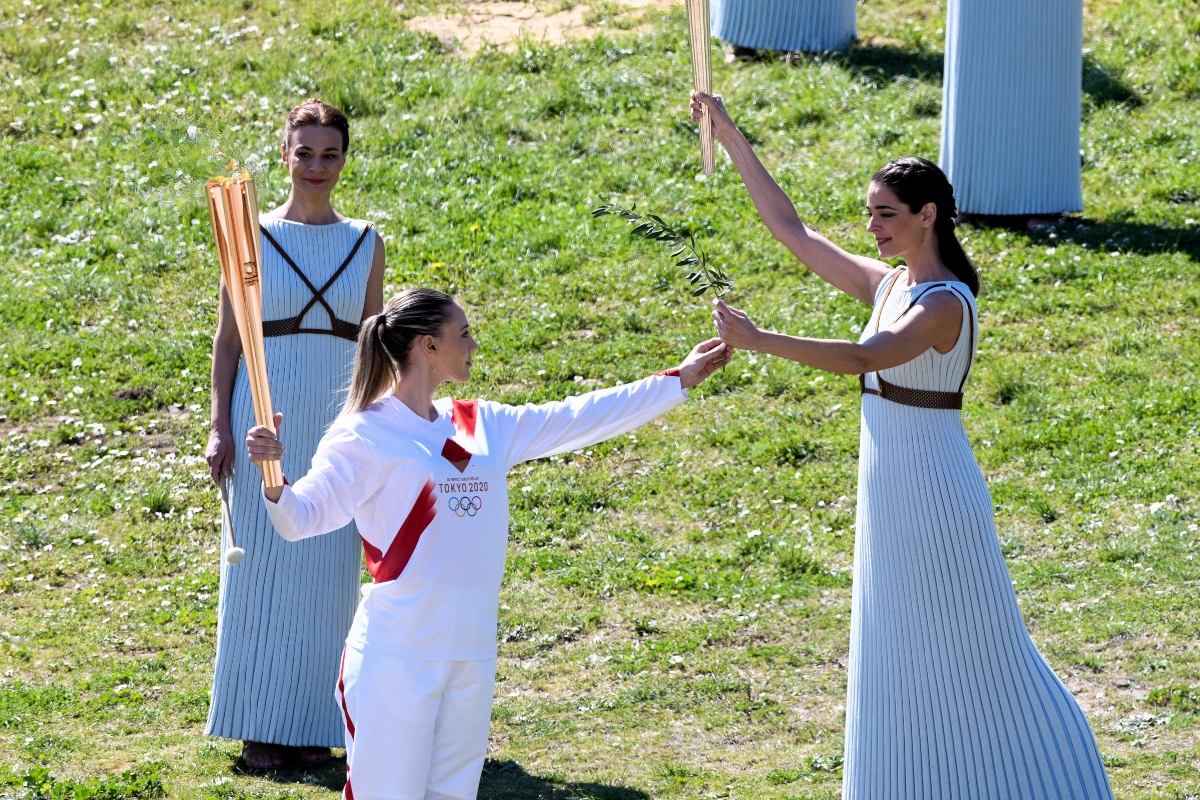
{"x": 920, "y": 398}
{"x": 338, "y": 327}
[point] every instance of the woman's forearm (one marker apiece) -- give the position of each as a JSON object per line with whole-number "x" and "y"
{"x": 226, "y": 356}
{"x": 830, "y": 355}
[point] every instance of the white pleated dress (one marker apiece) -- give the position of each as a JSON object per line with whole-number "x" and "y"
{"x": 948, "y": 696}
{"x": 284, "y": 612}
{"x": 1012, "y": 100}
{"x": 810, "y": 26}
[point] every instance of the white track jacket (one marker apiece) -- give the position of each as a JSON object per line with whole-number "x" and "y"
{"x": 431, "y": 503}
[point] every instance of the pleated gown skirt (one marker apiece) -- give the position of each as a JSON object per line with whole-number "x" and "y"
{"x": 811, "y": 26}
{"x": 948, "y": 696}
{"x": 1011, "y": 106}
{"x": 285, "y": 610}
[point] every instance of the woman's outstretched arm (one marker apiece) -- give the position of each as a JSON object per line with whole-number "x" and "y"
{"x": 935, "y": 321}
{"x": 536, "y": 431}
{"x": 857, "y": 276}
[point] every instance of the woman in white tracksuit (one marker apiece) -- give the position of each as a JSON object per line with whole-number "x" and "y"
{"x": 425, "y": 480}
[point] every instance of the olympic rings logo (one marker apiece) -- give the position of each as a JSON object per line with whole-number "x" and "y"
{"x": 466, "y": 506}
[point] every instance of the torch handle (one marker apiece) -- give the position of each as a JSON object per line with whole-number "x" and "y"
{"x": 256, "y": 371}
{"x": 700, "y": 41}
{"x": 224, "y": 487}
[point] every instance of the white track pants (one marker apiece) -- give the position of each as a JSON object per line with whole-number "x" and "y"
{"x": 415, "y": 730}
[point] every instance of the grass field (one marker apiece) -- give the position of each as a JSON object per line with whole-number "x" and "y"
{"x": 676, "y": 609}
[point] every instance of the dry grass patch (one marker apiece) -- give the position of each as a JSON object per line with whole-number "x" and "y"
{"x": 504, "y": 24}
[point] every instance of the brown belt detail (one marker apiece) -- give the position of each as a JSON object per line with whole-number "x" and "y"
{"x": 920, "y": 398}
{"x": 286, "y": 327}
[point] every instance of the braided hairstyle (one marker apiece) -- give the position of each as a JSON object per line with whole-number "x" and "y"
{"x": 917, "y": 181}
{"x": 386, "y": 340}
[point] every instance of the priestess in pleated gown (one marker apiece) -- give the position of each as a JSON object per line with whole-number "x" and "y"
{"x": 285, "y": 610}
{"x": 1012, "y": 104}
{"x": 812, "y": 26}
{"x": 948, "y": 696}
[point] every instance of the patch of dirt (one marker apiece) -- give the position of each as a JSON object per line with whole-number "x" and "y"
{"x": 21, "y": 428}
{"x": 503, "y": 23}
{"x": 135, "y": 393}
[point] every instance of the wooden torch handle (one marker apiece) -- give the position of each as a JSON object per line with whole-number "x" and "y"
{"x": 700, "y": 40}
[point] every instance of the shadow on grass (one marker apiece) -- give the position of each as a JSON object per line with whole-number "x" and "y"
{"x": 869, "y": 59}
{"x": 884, "y": 62}
{"x": 1132, "y": 237}
{"x": 508, "y": 780}
{"x": 1105, "y": 85}
{"x": 502, "y": 780}
{"x": 889, "y": 61}
{"x": 331, "y": 775}
{"x": 1138, "y": 238}
{"x": 1102, "y": 85}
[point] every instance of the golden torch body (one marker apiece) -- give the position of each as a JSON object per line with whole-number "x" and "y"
{"x": 234, "y": 209}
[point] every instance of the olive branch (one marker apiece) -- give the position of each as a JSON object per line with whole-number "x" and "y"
{"x": 653, "y": 228}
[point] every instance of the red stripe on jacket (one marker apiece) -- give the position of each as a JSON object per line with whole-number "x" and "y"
{"x": 673, "y": 372}
{"x": 387, "y": 567}
{"x": 464, "y": 414}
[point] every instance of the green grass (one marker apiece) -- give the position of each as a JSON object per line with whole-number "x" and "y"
{"x": 650, "y": 645}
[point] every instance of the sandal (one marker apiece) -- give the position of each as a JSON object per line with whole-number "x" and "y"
{"x": 260, "y": 755}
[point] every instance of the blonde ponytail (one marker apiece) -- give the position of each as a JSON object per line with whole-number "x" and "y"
{"x": 386, "y": 339}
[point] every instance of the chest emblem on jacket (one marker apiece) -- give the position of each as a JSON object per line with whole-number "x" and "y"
{"x": 456, "y": 454}
{"x": 457, "y": 451}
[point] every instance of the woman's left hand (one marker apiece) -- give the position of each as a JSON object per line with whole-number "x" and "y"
{"x": 734, "y": 327}
{"x": 705, "y": 359}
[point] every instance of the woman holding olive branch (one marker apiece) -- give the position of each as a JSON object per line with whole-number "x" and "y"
{"x": 948, "y": 696}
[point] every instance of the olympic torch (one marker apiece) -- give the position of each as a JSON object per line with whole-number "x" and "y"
{"x": 700, "y": 39}
{"x": 234, "y": 209}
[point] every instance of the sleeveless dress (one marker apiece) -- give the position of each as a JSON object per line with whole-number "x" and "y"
{"x": 812, "y": 26}
{"x": 1012, "y": 106}
{"x": 284, "y": 612}
{"x": 948, "y": 697}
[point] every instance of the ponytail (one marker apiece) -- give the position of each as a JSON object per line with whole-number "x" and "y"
{"x": 952, "y": 253}
{"x": 386, "y": 340}
{"x": 917, "y": 181}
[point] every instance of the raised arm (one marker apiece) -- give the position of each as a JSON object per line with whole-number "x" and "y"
{"x": 537, "y": 431}
{"x": 857, "y": 276}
